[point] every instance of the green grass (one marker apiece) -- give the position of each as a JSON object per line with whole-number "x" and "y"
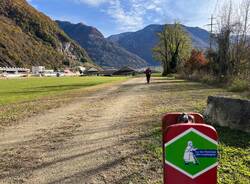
{"x": 23, "y": 98}
{"x": 234, "y": 159}
{"x": 234, "y": 149}
{"x": 156, "y": 75}
{"x": 239, "y": 85}
{"x": 186, "y": 96}
{"x": 18, "y": 90}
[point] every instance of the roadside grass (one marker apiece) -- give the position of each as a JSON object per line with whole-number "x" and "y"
{"x": 239, "y": 85}
{"x": 156, "y": 75}
{"x": 186, "y": 96}
{"x": 234, "y": 149}
{"x": 23, "y": 98}
{"x": 18, "y": 90}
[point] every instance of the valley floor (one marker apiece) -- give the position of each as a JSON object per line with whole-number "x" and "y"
{"x": 109, "y": 136}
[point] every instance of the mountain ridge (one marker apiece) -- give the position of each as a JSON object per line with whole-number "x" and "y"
{"x": 141, "y": 42}
{"x": 102, "y": 51}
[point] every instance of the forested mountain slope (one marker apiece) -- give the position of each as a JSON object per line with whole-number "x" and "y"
{"x": 28, "y": 37}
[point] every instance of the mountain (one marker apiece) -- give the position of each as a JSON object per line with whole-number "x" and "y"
{"x": 141, "y": 42}
{"x": 28, "y": 37}
{"x": 102, "y": 51}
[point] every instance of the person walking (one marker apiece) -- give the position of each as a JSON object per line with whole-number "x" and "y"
{"x": 148, "y": 73}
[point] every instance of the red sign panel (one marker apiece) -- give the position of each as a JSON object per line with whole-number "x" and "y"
{"x": 189, "y": 151}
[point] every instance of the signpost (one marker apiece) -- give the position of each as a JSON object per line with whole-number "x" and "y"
{"x": 189, "y": 151}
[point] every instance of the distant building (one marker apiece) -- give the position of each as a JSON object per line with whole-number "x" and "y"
{"x": 68, "y": 72}
{"x": 81, "y": 69}
{"x": 92, "y": 71}
{"x": 108, "y": 71}
{"x": 14, "y": 72}
{"x": 49, "y": 73}
{"x": 38, "y": 70}
{"x": 125, "y": 71}
{"x": 41, "y": 71}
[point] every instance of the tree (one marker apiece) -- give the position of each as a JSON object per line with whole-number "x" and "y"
{"x": 226, "y": 26}
{"x": 196, "y": 62}
{"x": 173, "y": 47}
{"x": 232, "y": 40}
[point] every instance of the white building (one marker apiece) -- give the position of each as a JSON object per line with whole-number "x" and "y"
{"x": 49, "y": 73}
{"x": 14, "y": 72}
{"x": 37, "y": 70}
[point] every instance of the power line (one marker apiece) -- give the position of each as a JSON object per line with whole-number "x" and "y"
{"x": 211, "y": 29}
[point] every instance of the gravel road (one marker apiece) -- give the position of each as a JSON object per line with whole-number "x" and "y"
{"x": 89, "y": 141}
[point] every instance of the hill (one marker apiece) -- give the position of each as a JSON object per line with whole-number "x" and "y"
{"x": 28, "y": 37}
{"x": 141, "y": 42}
{"x": 101, "y": 51}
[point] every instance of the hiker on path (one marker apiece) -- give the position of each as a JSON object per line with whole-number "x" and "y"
{"x": 148, "y": 73}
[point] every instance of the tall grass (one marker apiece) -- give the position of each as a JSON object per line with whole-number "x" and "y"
{"x": 239, "y": 85}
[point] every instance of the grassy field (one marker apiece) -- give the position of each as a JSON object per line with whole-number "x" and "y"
{"x": 17, "y": 90}
{"x": 186, "y": 96}
{"x": 23, "y": 98}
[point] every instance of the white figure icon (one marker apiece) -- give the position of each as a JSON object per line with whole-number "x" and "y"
{"x": 189, "y": 156}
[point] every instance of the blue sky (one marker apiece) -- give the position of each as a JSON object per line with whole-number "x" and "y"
{"x": 116, "y": 16}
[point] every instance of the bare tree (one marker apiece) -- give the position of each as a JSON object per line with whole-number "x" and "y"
{"x": 223, "y": 40}
{"x": 246, "y": 14}
{"x": 233, "y": 39}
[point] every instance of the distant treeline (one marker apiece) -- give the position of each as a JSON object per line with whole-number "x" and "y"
{"x": 228, "y": 59}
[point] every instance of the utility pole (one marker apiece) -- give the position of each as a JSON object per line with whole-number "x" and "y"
{"x": 211, "y": 30}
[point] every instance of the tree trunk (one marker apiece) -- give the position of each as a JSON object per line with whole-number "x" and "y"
{"x": 166, "y": 69}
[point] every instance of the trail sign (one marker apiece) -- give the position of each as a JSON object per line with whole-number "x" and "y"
{"x": 197, "y": 153}
{"x": 190, "y": 153}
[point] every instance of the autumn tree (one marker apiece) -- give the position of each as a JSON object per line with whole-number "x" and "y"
{"x": 173, "y": 47}
{"x": 196, "y": 62}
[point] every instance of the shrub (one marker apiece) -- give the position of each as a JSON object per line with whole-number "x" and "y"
{"x": 196, "y": 62}
{"x": 239, "y": 85}
{"x": 209, "y": 79}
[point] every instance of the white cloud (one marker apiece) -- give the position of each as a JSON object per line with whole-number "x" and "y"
{"x": 131, "y": 16}
{"x": 92, "y": 2}
{"x": 126, "y": 19}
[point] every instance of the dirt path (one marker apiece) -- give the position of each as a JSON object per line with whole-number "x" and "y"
{"x": 91, "y": 141}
